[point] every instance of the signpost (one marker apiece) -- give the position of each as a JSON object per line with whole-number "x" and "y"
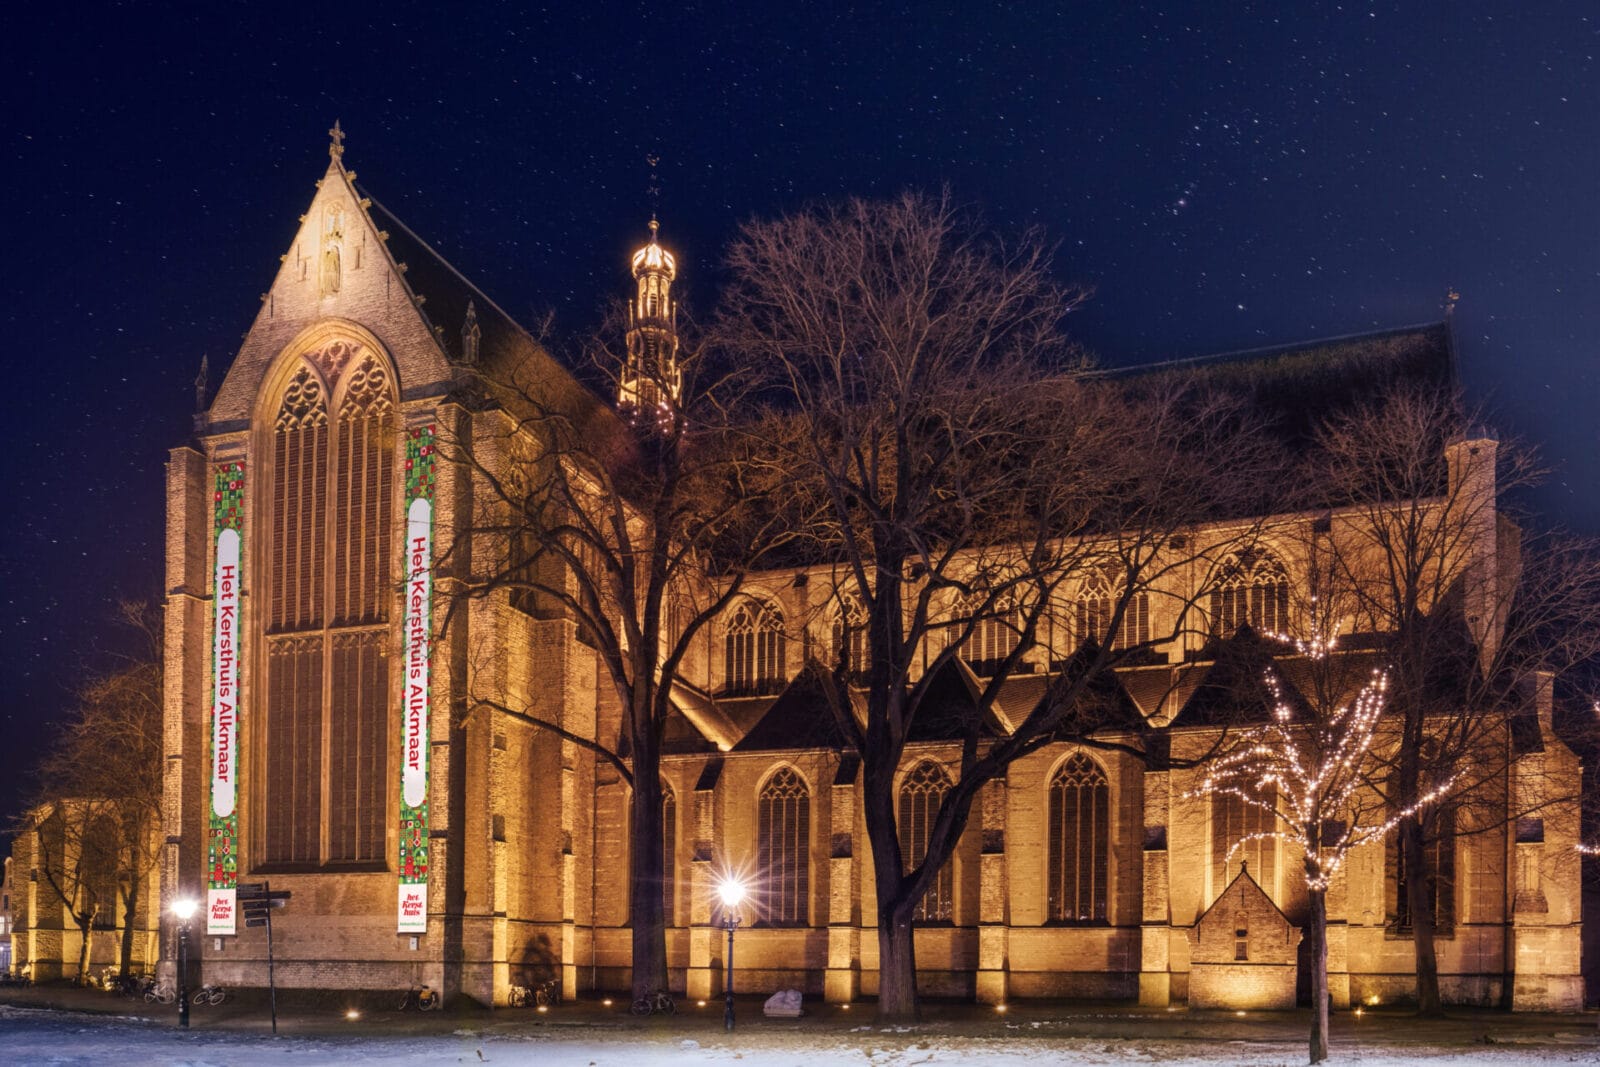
{"x": 257, "y": 902}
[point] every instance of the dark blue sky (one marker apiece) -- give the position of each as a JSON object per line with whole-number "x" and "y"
{"x": 1224, "y": 175}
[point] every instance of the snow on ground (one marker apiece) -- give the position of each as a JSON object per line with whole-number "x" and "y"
{"x": 53, "y": 1038}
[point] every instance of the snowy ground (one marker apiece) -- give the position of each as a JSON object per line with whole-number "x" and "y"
{"x": 31, "y": 1035}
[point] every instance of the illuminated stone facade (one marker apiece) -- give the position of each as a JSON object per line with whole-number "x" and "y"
{"x": 364, "y": 339}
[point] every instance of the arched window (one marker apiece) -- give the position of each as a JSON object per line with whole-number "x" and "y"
{"x": 1080, "y": 833}
{"x": 1233, "y": 821}
{"x": 995, "y": 635}
{"x": 754, "y": 650}
{"x": 1439, "y": 856}
{"x": 329, "y": 578}
{"x": 784, "y": 848}
{"x": 1095, "y": 607}
{"x": 669, "y": 851}
{"x": 1252, "y": 588}
{"x": 850, "y": 636}
{"x": 920, "y": 796}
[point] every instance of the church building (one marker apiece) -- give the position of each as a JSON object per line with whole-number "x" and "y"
{"x": 327, "y": 733}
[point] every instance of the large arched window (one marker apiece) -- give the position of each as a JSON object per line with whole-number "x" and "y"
{"x": 669, "y": 851}
{"x": 1080, "y": 833}
{"x": 1238, "y": 837}
{"x": 754, "y": 649}
{"x": 329, "y": 578}
{"x": 1095, "y": 607}
{"x": 1252, "y": 588}
{"x": 850, "y": 636}
{"x": 784, "y": 848}
{"x": 1439, "y": 857}
{"x": 920, "y": 796}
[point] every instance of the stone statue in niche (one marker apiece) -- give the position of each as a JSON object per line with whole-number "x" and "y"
{"x": 332, "y": 240}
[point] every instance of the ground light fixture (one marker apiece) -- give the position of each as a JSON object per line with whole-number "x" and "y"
{"x": 183, "y": 909}
{"x": 731, "y": 891}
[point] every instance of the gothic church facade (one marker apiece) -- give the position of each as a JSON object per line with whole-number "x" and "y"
{"x": 324, "y": 733}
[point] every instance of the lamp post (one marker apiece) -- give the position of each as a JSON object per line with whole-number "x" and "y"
{"x": 732, "y": 892}
{"x": 184, "y": 909}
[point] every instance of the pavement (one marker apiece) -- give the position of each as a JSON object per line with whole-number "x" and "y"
{"x": 332, "y": 1013}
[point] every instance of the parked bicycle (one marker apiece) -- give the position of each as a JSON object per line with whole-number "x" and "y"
{"x": 161, "y": 993}
{"x": 209, "y": 994}
{"x": 421, "y": 998}
{"x": 657, "y": 1003}
{"x": 134, "y": 986}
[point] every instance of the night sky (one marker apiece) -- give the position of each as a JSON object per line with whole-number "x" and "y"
{"x": 1226, "y": 176}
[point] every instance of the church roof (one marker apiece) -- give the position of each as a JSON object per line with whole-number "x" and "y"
{"x": 1298, "y": 385}
{"x": 799, "y": 718}
{"x": 505, "y": 350}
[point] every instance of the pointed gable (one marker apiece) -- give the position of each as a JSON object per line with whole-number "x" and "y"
{"x": 354, "y": 270}
{"x": 800, "y": 718}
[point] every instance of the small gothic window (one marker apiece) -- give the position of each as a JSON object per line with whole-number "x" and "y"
{"x": 1080, "y": 831}
{"x": 754, "y": 650}
{"x": 669, "y": 850}
{"x": 995, "y": 634}
{"x": 784, "y": 848}
{"x": 1241, "y": 943}
{"x": 1252, "y": 588}
{"x": 921, "y": 794}
{"x": 1095, "y": 607}
{"x": 850, "y": 637}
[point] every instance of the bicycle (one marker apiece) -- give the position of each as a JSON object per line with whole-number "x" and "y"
{"x": 421, "y": 997}
{"x": 519, "y": 997}
{"x": 160, "y": 994}
{"x": 209, "y": 994}
{"x": 657, "y": 1003}
{"x": 548, "y": 994}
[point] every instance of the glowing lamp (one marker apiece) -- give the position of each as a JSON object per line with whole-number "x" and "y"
{"x": 185, "y": 907}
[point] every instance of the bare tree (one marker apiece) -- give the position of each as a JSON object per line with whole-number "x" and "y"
{"x": 1465, "y": 608}
{"x": 98, "y": 804}
{"x": 963, "y": 472}
{"x": 638, "y": 530}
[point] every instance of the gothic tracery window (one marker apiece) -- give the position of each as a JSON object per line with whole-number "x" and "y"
{"x": 994, "y": 636}
{"x": 1095, "y": 607}
{"x": 754, "y": 648}
{"x": 1239, "y": 832}
{"x": 328, "y": 578}
{"x": 850, "y": 637}
{"x": 1080, "y": 832}
{"x": 921, "y": 794}
{"x": 1253, "y": 588}
{"x": 783, "y": 828}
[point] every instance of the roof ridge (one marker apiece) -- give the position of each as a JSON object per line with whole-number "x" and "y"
{"x": 443, "y": 262}
{"x": 1260, "y": 350}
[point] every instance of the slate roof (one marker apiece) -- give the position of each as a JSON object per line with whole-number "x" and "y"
{"x": 1299, "y": 384}
{"x": 505, "y": 350}
{"x": 798, "y": 718}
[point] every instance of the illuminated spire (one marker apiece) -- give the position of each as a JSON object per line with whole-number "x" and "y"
{"x": 649, "y": 389}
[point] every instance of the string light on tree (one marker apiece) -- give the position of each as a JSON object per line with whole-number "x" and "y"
{"x": 1311, "y": 779}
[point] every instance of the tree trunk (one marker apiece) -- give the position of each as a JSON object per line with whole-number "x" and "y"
{"x": 897, "y": 964}
{"x": 1317, "y": 928}
{"x": 645, "y": 885}
{"x": 1414, "y": 857}
{"x": 86, "y": 928}
{"x": 897, "y": 959}
{"x": 130, "y": 909}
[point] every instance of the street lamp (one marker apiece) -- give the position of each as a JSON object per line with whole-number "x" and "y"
{"x": 184, "y": 909}
{"x": 732, "y": 892}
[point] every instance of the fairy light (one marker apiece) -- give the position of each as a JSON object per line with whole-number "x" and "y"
{"x": 1314, "y": 771}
